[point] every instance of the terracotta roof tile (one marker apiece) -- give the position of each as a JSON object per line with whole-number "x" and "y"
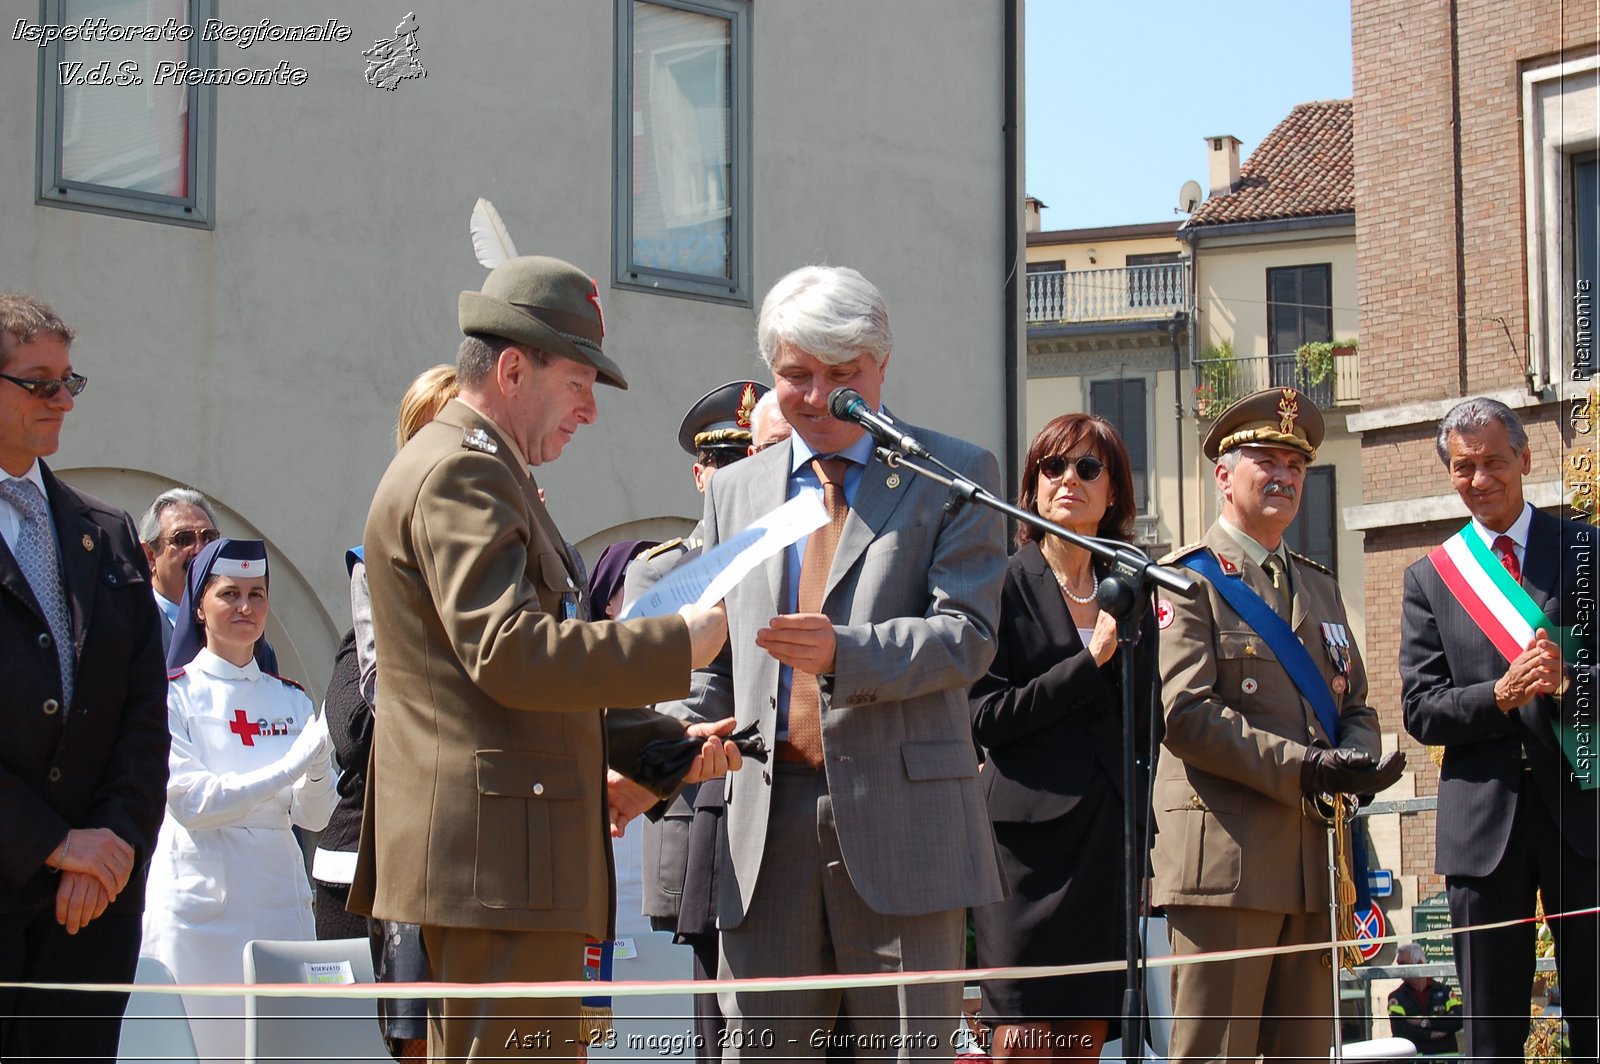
{"x": 1305, "y": 167}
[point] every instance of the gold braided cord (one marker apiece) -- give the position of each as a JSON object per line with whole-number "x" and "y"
{"x": 1337, "y": 811}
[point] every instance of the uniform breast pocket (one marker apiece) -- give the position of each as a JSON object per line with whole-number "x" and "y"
{"x": 1242, "y": 656}
{"x": 1211, "y": 862}
{"x": 525, "y": 803}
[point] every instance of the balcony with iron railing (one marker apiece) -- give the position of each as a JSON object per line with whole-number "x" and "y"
{"x": 1125, "y": 293}
{"x": 1221, "y": 381}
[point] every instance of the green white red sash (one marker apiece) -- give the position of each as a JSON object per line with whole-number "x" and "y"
{"x": 1505, "y": 613}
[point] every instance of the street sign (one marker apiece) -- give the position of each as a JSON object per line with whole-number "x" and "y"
{"x": 1433, "y": 915}
{"x": 1380, "y": 882}
{"x": 1370, "y": 926}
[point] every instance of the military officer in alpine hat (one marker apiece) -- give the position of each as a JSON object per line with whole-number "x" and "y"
{"x": 1265, "y": 698}
{"x": 486, "y": 812}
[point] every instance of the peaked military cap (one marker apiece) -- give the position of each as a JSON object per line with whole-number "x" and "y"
{"x": 720, "y": 419}
{"x": 1273, "y": 417}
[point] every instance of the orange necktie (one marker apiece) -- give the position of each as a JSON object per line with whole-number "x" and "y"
{"x": 805, "y": 698}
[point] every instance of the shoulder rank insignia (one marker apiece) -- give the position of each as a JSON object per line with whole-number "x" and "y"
{"x": 478, "y": 439}
{"x": 1180, "y": 553}
{"x": 1311, "y": 563}
{"x": 662, "y": 548}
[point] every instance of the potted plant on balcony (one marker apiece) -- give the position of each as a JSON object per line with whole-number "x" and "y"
{"x": 1214, "y": 380}
{"x": 1317, "y": 362}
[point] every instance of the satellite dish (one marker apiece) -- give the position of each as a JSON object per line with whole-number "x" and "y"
{"x": 1188, "y": 197}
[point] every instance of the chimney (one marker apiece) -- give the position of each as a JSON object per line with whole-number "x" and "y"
{"x": 1030, "y": 214}
{"x": 1222, "y": 156}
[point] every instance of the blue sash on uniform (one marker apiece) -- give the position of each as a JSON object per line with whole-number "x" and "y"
{"x": 1296, "y": 661}
{"x": 1285, "y": 645}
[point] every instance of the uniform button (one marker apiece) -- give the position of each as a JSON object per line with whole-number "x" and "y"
{"x": 1195, "y": 801}
{"x": 538, "y": 788}
{"x": 111, "y": 578}
{"x": 44, "y": 640}
{"x": 50, "y": 706}
{"x": 55, "y": 774}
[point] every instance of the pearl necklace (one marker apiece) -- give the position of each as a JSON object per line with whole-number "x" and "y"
{"x": 1067, "y": 591}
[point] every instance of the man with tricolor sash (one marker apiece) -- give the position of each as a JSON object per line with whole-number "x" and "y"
{"x": 1266, "y": 707}
{"x": 1497, "y": 663}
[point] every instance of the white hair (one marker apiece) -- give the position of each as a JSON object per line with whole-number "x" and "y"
{"x": 832, "y": 313}
{"x": 1412, "y": 951}
{"x": 150, "y": 523}
{"x": 1475, "y": 415}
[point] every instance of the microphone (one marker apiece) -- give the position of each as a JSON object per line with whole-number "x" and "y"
{"x": 846, "y": 404}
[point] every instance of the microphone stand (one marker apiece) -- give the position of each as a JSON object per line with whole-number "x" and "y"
{"x": 1119, "y": 594}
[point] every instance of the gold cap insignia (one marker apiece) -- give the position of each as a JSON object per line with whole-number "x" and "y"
{"x": 1288, "y": 410}
{"x": 747, "y": 406}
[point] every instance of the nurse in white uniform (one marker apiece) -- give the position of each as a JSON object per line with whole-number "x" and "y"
{"x": 250, "y": 759}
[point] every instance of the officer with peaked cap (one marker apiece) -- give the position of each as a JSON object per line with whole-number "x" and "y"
{"x": 485, "y": 812}
{"x": 1237, "y": 862}
{"x": 715, "y": 432}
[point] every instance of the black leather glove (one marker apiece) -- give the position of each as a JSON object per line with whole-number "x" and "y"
{"x": 1342, "y": 771}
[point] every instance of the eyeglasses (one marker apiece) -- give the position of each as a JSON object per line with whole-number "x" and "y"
{"x": 1087, "y": 465}
{"x": 190, "y": 537}
{"x": 74, "y": 384}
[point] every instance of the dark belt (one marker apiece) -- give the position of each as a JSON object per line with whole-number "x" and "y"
{"x": 789, "y": 753}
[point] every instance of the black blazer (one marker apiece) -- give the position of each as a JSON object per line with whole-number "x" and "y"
{"x": 1048, "y": 717}
{"x": 105, "y": 764}
{"x": 1448, "y": 669}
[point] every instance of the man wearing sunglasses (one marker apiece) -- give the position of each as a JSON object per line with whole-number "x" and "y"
{"x": 1266, "y": 708}
{"x": 173, "y": 530}
{"x": 83, "y": 768}
{"x": 176, "y": 527}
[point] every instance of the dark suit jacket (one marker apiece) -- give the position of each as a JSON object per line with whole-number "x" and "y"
{"x": 1448, "y": 669}
{"x": 1050, "y": 719}
{"x": 105, "y": 764}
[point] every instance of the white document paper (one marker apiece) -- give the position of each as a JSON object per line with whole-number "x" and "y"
{"x": 707, "y": 579}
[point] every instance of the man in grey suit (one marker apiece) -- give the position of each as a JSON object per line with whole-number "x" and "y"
{"x": 859, "y": 848}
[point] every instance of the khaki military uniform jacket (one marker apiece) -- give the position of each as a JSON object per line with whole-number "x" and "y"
{"x": 485, "y": 800}
{"x": 1227, "y": 795}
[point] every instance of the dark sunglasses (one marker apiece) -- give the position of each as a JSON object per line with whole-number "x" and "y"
{"x": 1087, "y": 465}
{"x": 74, "y": 384}
{"x": 190, "y": 537}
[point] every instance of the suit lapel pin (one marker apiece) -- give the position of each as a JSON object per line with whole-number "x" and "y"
{"x": 88, "y": 543}
{"x": 1249, "y": 685}
{"x": 893, "y": 481}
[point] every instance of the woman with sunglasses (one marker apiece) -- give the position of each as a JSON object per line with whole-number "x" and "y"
{"x": 250, "y": 761}
{"x": 1049, "y": 718}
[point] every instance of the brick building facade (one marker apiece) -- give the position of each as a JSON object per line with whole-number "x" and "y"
{"x": 1473, "y": 119}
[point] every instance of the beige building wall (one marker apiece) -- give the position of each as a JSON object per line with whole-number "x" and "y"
{"x": 1231, "y": 284}
{"x": 1109, "y": 254}
{"x": 261, "y": 361}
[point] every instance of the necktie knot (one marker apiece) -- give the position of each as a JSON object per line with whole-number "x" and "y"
{"x": 25, "y": 497}
{"x": 1279, "y": 576}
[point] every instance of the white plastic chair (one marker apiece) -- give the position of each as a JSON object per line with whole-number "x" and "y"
{"x": 309, "y": 1029}
{"x": 155, "y": 1028}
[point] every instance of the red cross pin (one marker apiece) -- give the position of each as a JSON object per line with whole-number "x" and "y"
{"x": 243, "y": 728}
